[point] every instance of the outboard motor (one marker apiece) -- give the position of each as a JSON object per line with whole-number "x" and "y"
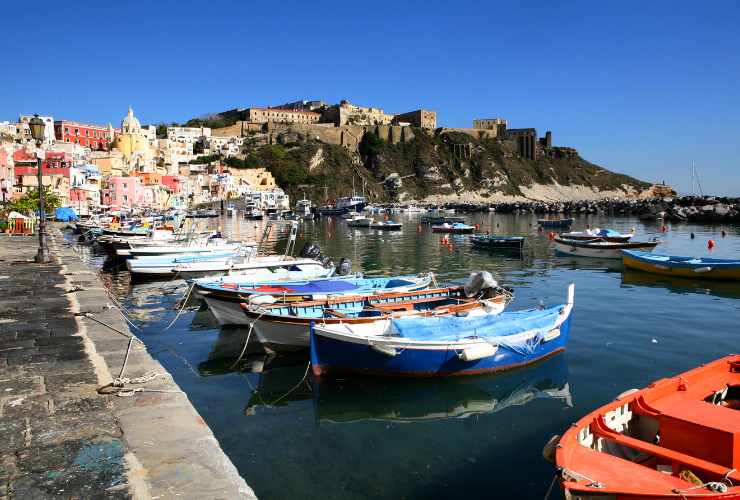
{"x": 345, "y": 267}
{"x": 479, "y": 282}
{"x": 307, "y": 249}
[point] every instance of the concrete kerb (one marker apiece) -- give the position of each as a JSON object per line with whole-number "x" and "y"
{"x": 170, "y": 451}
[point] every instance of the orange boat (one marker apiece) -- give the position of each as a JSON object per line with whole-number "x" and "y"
{"x": 677, "y": 438}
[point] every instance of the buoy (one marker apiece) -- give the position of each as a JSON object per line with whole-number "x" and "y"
{"x": 692, "y": 236}
{"x": 539, "y": 229}
{"x": 710, "y": 244}
{"x": 418, "y": 228}
{"x": 723, "y": 233}
{"x": 551, "y": 235}
{"x": 663, "y": 228}
{"x": 477, "y": 227}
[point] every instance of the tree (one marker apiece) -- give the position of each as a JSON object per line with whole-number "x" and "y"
{"x": 29, "y": 202}
{"x": 370, "y": 145}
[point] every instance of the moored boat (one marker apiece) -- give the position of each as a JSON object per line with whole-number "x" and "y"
{"x": 360, "y": 221}
{"x": 598, "y": 248}
{"x": 455, "y": 228}
{"x": 441, "y": 219}
{"x": 478, "y": 342}
{"x": 491, "y": 241}
{"x": 556, "y": 222}
{"x": 685, "y": 267}
{"x": 286, "y": 326}
{"x": 604, "y": 234}
{"x": 676, "y": 438}
{"x": 224, "y": 296}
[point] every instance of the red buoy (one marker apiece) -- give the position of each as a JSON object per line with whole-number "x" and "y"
{"x": 710, "y": 244}
{"x": 664, "y": 228}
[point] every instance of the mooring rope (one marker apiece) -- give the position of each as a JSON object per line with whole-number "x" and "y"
{"x": 182, "y": 308}
{"x": 246, "y": 343}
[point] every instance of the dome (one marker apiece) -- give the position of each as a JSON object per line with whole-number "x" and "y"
{"x": 130, "y": 125}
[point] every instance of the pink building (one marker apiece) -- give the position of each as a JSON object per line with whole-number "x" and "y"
{"x": 173, "y": 183}
{"x": 122, "y": 191}
{"x": 6, "y": 174}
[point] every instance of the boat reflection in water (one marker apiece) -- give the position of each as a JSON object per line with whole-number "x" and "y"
{"x": 394, "y": 400}
{"x": 726, "y": 289}
{"x": 279, "y": 380}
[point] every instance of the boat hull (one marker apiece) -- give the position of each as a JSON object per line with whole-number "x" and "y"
{"x": 333, "y": 356}
{"x": 682, "y": 272}
{"x": 596, "y": 251}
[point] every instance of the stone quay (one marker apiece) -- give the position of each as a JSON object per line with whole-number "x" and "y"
{"x": 64, "y": 434}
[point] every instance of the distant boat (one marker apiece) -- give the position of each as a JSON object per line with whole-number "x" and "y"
{"x": 360, "y": 221}
{"x": 686, "y": 267}
{"x": 604, "y": 234}
{"x": 556, "y": 222}
{"x": 231, "y": 210}
{"x": 494, "y": 242}
{"x": 479, "y": 342}
{"x": 441, "y": 219}
{"x": 598, "y": 248}
{"x": 456, "y": 228}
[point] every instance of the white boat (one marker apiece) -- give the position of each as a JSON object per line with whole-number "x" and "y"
{"x": 351, "y": 203}
{"x": 360, "y": 221}
{"x": 231, "y": 210}
{"x": 184, "y": 248}
{"x": 413, "y": 209}
{"x": 598, "y": 248}
{"x": 303, "y": 207}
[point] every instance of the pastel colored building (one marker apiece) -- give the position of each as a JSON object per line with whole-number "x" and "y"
{"x": 120, "y": 192}
{"x": 92, "y": 136}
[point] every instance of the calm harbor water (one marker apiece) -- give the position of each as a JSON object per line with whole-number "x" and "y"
{"x": 293, "y": 437}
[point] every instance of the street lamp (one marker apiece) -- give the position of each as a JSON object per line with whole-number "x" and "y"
{"x": 37, "y": 127}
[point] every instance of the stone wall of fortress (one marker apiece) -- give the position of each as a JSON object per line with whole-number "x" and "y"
{"x": 348, "y": 136}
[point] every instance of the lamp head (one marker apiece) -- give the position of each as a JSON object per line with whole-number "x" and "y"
{"x": 37, "y": 127}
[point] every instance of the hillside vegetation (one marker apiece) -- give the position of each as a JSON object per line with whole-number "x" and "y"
{"x": 421, "y": 168}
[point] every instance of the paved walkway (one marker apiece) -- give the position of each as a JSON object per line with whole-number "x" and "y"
{"x": 59, "y": 438}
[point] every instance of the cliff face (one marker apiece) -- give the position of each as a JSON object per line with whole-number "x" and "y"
{"x": 436, "y": 167}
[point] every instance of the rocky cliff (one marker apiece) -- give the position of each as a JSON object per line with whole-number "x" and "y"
{"x": 434, "y": 167}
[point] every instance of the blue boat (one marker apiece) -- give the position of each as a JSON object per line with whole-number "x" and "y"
{"x": 493, "y": 242}
{"x": 683, "y": 267}
{"x": 441, "y": 346}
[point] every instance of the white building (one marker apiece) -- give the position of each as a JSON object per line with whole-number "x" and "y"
{"x": 26, "y": 132}
{"x": 188, "y": 134}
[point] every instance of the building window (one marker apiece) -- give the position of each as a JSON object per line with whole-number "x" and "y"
{"x": 95, "y": 133}
{"x": 87, "y": 133}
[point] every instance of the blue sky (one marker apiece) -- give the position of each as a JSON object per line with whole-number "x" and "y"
{"x": 642, "y": 88}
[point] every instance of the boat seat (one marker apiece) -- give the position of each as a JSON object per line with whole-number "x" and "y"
{"x": 706, "y": 469}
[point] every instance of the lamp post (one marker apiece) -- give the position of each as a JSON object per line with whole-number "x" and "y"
{"x": 37, "y": 127}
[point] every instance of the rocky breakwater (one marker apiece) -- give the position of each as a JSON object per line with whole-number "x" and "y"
{"x": 688, "y": 208}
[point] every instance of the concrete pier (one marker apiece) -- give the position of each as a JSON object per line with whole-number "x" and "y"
{"x": 60, "y": 341}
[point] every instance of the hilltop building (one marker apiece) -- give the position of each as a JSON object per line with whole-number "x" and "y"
{"x": 421, "y": 118}
{"x": 280, "y": 115}
{"x": 91, "y": 136}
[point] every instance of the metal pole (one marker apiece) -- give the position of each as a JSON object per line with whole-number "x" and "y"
{"x": 42, "y": 257}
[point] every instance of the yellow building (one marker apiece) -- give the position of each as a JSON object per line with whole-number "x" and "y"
{"x": 134, "y": 145}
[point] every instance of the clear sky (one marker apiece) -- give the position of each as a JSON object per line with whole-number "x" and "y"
{"x": 638, "y": 87}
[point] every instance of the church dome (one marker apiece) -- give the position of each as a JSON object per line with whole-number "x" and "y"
{"x": 130, "y": 124}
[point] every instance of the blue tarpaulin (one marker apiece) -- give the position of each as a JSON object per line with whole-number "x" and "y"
{"x": 65, "y": 214}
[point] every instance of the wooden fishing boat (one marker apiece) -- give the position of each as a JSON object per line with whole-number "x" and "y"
{"x": 678, "y": 438}
{"x": 480, "y": 342}
{"x": 455, "y": 228}
{"x": 604, "y": 234}
{"x": 224, "y": 296}
{"x": 285, "y": 326}
{"x": 684, "y": 267}
{"x": 598, "y": 248}
{"x": 555, "y": 222}
{"x": 493, "y": 242}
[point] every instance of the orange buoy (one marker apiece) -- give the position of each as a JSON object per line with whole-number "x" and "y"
{"x": 551, "y": 235}
{"x": 477, "y": 227}
{"x": 710, "y": 244}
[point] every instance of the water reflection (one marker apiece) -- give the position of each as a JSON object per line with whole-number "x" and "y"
{"x": 728, "y": 289}
{"x": 345, "y": 401}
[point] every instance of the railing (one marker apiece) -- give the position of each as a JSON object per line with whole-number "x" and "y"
{"x": 21, "y": 226}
